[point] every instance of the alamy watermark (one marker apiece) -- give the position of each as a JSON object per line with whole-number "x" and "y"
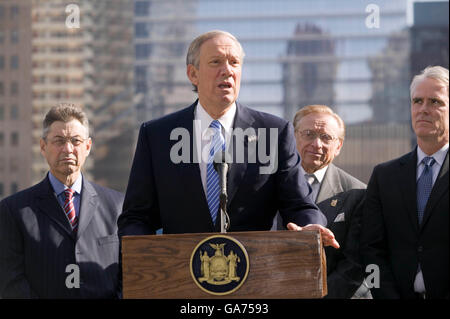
{"x": 373, "y": 279}
{"x": 73, "y": 19}
{"x": 73, "y": 279}
{"x": 262, "y": 146}
{"x": 373, "y": 19}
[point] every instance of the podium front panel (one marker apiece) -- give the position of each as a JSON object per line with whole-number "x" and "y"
{"x": 282, "y": 264}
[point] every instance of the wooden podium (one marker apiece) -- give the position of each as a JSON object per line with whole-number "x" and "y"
{"x": 282, "y": 265}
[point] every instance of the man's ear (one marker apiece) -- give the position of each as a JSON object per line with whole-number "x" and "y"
{"x": 192, "y": 74}
{"x": 338, "y": 150}
{"x": 42, "y": 145}
{"x": 88, "y": 145}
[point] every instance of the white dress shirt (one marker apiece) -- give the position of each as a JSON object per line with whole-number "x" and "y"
{"x": 203, "y": 135}
{"x": 319, "y": 175}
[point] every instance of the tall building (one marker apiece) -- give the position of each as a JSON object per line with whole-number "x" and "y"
{"x": 297, "y": 53}
{"x": 109, "y": 89}
{"x": 91, "y": 66}
{"x": 391, "y": 77}
{"x": 15, "y": 96}
{"x": 58, "y": 71}
{"x": 429, "y": 35}
{"x": 163, "y": 31}
{"x": 310, "y": 69}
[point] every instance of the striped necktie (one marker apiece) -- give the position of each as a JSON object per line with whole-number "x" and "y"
{"x": 212, "y": 177}
{"x": 424, "y": 186}
{"x": 69, "y": 208}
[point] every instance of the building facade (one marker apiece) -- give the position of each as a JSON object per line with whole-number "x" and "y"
{"x": 15, "y": 96}
{"x": 297, "y": 53}
{"x": 91, "y": 66}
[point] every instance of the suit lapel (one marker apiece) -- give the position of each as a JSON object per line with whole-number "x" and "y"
{"x": 329, "y": 188}
{"x": 439, "y": 188}
{"x": 88, "y": 206}
{"x": 330, "y": 185}
{"x": 407, "y": 181}
{"x": 189, "y": 173}
{"x": 243, "y": 120}
{"x": 47, "y": 204}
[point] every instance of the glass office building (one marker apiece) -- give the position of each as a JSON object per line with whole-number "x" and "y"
{"x": 348, "y": 54}
{"x": 126, "y": 65}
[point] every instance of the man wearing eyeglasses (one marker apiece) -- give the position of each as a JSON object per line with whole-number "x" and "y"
{"x": 319, "y": 134}
{"x": 58, "y": 239}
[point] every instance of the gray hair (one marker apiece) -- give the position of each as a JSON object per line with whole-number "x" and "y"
{"x": 438, "y": 73}
{"x": 64, "y": 112}
{"x": 310, "y": 109}
{"x": 193, "y": 54}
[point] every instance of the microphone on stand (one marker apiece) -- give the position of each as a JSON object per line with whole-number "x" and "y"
{"x": 221, "y": 167}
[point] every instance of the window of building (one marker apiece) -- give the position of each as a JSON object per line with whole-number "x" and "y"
{"x": 14, "y": 164}
{"x": 14, "y": 138}
{"x": 14, "y": 112}
{"x": 2, "y": 62}
{"x": 14, "y": 88}
{"x": 14, "y": 36}
{"x": 140, "y": 30}
{"x": 14, "y": 11}
{"x": 2, "y": 112}
{"x": 2, "y": 139}
{"x": 15, "y": 62}
{"x": 2, "y": 89}
{"x": 141, "y": 8}
{"x": 2, "y": 192}
{"x": 143, "y": 51}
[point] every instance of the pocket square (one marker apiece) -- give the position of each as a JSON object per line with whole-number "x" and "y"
{"x": 340, "y": 218}
{"x": 252, "y": 138}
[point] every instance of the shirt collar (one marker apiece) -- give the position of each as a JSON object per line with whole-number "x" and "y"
{"x": 205, "y": 119}
{"x": 319, "y": 174}
{"x": 59, "y": 187}
{"x": 439, "y": 156}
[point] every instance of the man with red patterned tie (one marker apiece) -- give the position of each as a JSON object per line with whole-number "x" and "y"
{"x": 58, "y": 239}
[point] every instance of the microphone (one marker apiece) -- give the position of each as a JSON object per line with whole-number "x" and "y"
{"x": 221, "y": 167}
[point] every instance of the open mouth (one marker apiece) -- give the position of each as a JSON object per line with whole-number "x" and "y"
{"x": 225, "y": 85}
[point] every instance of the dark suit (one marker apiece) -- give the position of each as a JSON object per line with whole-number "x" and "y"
{"x": 340, "y": 198}
{"x": 37, "y": 244}
{"x": 163, "y": 194}
{"x": 392, "y": 237}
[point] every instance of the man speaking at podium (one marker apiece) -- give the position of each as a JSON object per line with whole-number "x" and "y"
{"x": 173, "y": 184}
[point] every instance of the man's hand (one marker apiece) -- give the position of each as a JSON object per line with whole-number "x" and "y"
{"x": 327, "y": 235}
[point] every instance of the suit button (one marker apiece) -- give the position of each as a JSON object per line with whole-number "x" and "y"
{"x": 420, "y": 249}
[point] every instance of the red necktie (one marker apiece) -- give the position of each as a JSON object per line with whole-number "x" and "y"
{"x": 69, "y": 208}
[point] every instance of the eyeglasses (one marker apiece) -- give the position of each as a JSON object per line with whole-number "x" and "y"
{"x": 61, "y": 141}
{"x": 311, "y": 135}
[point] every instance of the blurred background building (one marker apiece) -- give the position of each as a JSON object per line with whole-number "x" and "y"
{"x": 15, "y": 96}
{"x": 126, "y": 65}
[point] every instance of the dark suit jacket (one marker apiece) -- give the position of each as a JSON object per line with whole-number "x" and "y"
{"x": 163, "y": 194}
{"x": 37, "y": 244}
{"x": 340, "y": 198}
{"x": 392, "y": 237}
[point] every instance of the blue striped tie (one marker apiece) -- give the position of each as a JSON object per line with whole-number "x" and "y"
{"x": 212, "y": 177}
{"x": 424, "y": 186}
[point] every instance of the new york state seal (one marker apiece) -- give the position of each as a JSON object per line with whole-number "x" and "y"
{"x": 219, "y": 265}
